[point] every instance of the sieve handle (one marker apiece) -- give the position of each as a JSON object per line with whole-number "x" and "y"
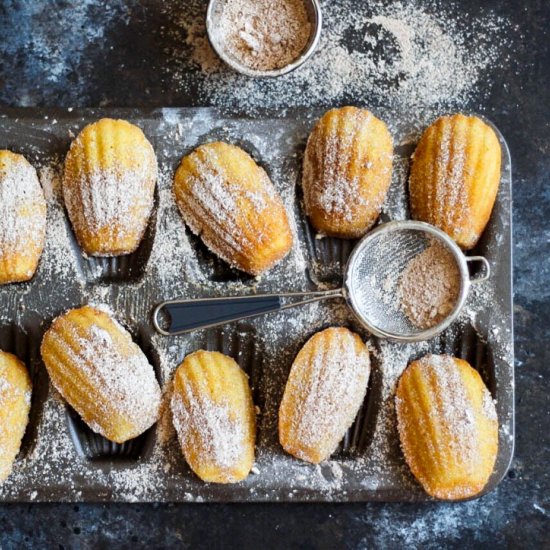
{"x": 182, "y": 316}
{"x": 486, "y": 268}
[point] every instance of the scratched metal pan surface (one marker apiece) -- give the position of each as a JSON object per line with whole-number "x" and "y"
{"x": 63, "y": 460}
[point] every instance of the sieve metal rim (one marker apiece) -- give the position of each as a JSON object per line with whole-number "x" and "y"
{"x": 407, "y": 225}
{"x": 316, "y": 20}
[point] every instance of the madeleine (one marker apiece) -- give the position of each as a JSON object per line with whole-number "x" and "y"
{"x": 448, "y": 426}
{"x": 325, "y": 389}
{"x": 15, "y": 404}
{"x": 214, "y": 417}
{"x": 230, "y": 202}
{"x": 108, "y": 187}
{"x": 102, "y": 374}
{"x": 347, "y": 172}
{"x": 455, "y": 176}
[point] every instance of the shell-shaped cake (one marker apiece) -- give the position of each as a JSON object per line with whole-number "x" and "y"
{"x": 108, "y": 187}
{"x": 447, "y": 425}
{"x": 214, "y": 417}
{"x": 22, "y": 218}
{"x": 227, "y": 199}
{"x": 455, "y": 176}
{"x": 103, "y": 375}
{"x": 15, "y": 404}
{"x": 347, "y": 172}
{"x": 325, "y": 389}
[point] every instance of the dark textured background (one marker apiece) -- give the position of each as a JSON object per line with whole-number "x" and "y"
{"x": 50, "y": 56}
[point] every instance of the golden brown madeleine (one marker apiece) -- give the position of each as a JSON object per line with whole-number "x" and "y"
{"x": 22, "y": 218}
{"x": 214, "y": 417}
{"x": 108, "y": 186}
{"x": 455, "y": 176}
{"x": 447, "y": 425}
{"x": 347, "y": 172}
{"x": 94, "y": 364}
{"x": 15, "y": 404}
{"x": 227, "y": 199}
{"x": 325, "y": 389}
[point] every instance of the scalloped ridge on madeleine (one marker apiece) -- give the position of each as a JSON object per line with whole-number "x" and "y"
{"x": 108, "y": 187}
{"x": 325, "y": 389}
{"x": 22, "y": 218}
{"x": 227, "y": 199}
{"x": 214, "y": 417}
{"x": 447, "y": 425}
{"x": 102, "y": 374}
{"x": 455, "y": 176}
{"x": 15, "y": 404}
{"x": 347, "y": 172}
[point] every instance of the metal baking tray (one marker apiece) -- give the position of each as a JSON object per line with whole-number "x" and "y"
{"x": 63, "y": 460}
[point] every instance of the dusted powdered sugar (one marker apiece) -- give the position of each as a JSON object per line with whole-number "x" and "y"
{"x": 448, "y": 196}
{"x": 9, "y": 390}
{"x": 454, "y": 407}
{"x": 199, "y": 418}
{"x": 331, "y": 181}
{"x": 116, "y": 200}
{"x": 22, "y": 206}
{"x": 337, "y": 197}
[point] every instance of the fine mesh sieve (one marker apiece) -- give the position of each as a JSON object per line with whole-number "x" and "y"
{"x": 370, "y": 288}
{"x": 374, "y": 271}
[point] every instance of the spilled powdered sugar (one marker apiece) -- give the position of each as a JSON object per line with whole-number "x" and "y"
{"x": 58, "y": 259}
{"x": 415, "y": 57}
{"x": 170, "y": 257}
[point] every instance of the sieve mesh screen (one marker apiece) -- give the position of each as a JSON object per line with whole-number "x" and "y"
{"x": 374, "y": 275}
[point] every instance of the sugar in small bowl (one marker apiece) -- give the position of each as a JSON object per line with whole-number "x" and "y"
{"x": 264, "y": 38}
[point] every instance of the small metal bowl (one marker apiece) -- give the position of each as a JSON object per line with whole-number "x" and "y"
{"x": 314, "y": 11}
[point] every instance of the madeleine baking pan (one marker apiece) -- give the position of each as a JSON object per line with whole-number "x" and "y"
{"x": 63, "y": 460}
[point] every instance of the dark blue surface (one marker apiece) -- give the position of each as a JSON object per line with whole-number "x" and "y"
{"x": 58, "y": 53}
